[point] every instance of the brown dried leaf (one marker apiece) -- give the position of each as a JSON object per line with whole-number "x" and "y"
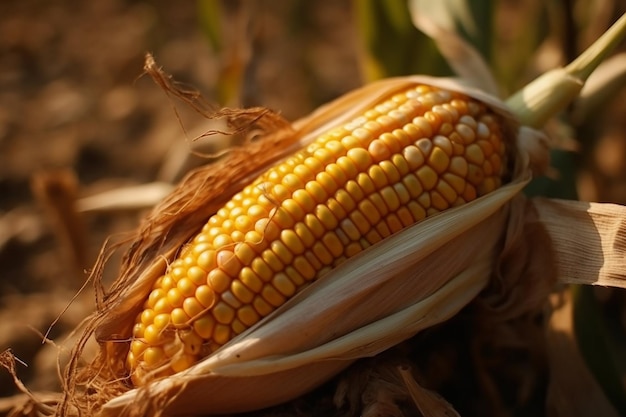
{"x": 429, "y": 402}
{"x": 589, "y": 240}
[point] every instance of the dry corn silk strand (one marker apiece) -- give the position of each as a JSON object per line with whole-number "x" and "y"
{"x": 418, "y": 152}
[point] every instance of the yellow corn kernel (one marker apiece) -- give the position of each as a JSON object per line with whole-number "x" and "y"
{"x": 415, "y": 154}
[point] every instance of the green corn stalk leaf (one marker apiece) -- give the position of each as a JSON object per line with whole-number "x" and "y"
{"x": 602, "y": 344}
{"x": 209, "y": 20}
{"x": 231, "y": 72}
{"x": 392, "y": 46}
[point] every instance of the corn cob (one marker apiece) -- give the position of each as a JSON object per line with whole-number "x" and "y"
{"x": 415, "y": 154}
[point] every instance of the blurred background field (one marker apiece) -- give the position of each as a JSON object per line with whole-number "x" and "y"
{"x": 78, "y": 118}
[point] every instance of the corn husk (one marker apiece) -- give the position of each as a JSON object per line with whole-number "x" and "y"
{"x": 411, "y": 281}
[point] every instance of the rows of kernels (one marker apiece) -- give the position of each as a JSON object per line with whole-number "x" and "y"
{"x": 414, "y": 155}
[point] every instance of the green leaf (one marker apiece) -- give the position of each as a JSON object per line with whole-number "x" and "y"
{"x": 602, "y": 343}
{"x": 392, "y": 45}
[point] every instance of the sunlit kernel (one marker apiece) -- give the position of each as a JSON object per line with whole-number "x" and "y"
{"x": 325, "y": 216}
{"x": 413, "y": 185}
{"x": 155, "y": 296}
{"x": 248, "y": 315}
{"x": 222, "y": 241}
{"x": 197, "y": 275}
{"x": 147, "y": 316}
{"x": 153, "y": 356}
{"x": 363, "y": 135}
{"x": 152, "y": 335}
{"x": 487, "y": 186}
{"x": 161, "y": 321}
{"x": 475, "y": 175}
{"x": 467, "y": 133}
{"x": 177, "y": 273}
{"x": 394, "y": 224}
{"x": 405, "y": 216}
{"x": 292, "y": 241}
{"x": 349, "y": 142}
{"x": 175, "y": 297}
{"x": 274, "y": 296}
{"x": 332, "y": 243}
{"x": 192, "y": 307}
{"x": 424, "y": 200}
{"x": 316, "y": 191}
{"x": 417, "y": 211}
{"x": 435, "y": 120}
{"x": 427, "y": 177}
{"x": 305, "y": 234}
{"x": 267, "y": 228}
{"x": 138, "y": 330}
{"x": 439, "y": 160}
{"x": 218, "y": 280}
{"x": 327, "y": 182}
{"x": 379, "y": 151}
{"x": 292, "y": 182}
{"x": 378, "y": 201}
{"x": 261, "y": 306}
{"x": 322, "y": 253}
{"x": 283, "y": 285}
{"x": 293, "y": 209}
{"x": 241, "y": 292}
{"x": 390, "y": 197}
{"x": 474, "y": 154}
{"x": 339, "y": 176}
{"x": 350, "y": 229}
{"x": 482, "y": 131}
{"x": 205, "y": 296}
{"x": 443, "y": 143}
{"x": 352, "y": 249}
{"x": 221, "y": 334}
{"x": 244, "y": 252}
{"x": 179, "y": 317}
{"x": 336, "y": 209}
{"x": 456, "y": 182}
{"x": 438, "y": 201}
{"x": 425, "y": 146}
{"x": 402, "y": 193}
{"x": 162, "y": 306}
{"x": 378, "y": 177}
{"x": 223, "y": 313}
{"x": 446, "y": 191}
{"x": 446, "y": 129}
{"x": 281, "y": 250}
{"x": 304, "y": 200}
{"x": 458, "y": 166}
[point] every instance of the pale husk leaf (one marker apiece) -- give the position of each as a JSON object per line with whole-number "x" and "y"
{"x": 589, "y": 240}
{"x": 135, "y": 197}
{"x": 437, "y": 20}
{"x": 428, "y": 402}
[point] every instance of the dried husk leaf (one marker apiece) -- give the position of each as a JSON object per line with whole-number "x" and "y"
{"x": 428, "y": 402}
{"x": 137, "y": 197}
{"x": 413, "y": 280}
{"x": 589, "y": 240}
